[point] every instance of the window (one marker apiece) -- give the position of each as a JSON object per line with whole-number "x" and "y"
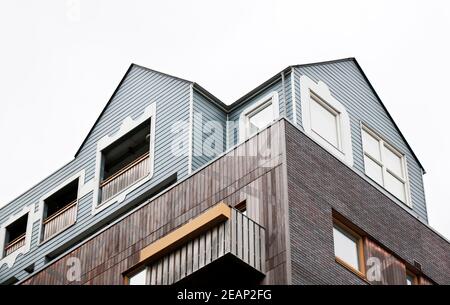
{"x": 384, "y": 164}
{"x": 125, "y": 162}
{"x": 258, "y": 116}
{"x": 325, "y": 121}
{"x": 15, "y": 235}
{"x": 260, "y": 119}
{"x": 124, "y": 159}
{"x": 411, "y": 278}
{"x": 348, "y": 248}
{"x": 138, "y": 278}
{"x": 242, "y": 208}
{"x": 59, "y": 210}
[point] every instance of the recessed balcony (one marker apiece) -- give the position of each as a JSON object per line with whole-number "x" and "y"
{"x": 60, "y": 220}
{"x": 218, "y": 240}
{"x": 125, "y": 162}
{"x": 15, "y": 235}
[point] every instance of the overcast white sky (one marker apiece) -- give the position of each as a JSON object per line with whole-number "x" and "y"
{"x": 60, "y": 61}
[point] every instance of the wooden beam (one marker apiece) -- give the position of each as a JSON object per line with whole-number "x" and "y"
{"x": 210, "y": 218}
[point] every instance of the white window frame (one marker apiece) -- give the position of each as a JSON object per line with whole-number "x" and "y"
{"x": 10, "y": 259}
{"x": 384, "y": 170}
{"x": 127, "y": 125}
{"x": 244, "y": 119}
{"x": 311, "y": 91}
{"x": 81, "y": 192}
{"x": 317, "y": 99}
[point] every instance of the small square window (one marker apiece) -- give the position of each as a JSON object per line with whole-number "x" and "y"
{"x": 15, "y": 235}
{"x": 60, "y": 210}
{"x": 258, "y": 115}
{"x": 348, "y": 248}
{"x": 411, "y": 279}
{"x": 260, "y": 118}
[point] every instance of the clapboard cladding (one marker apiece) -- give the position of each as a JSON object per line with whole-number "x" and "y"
{"x": 281, "y": 86}
{"x": 242, "y": 174}
{"x": 139, "y": 88}
{"x": 175, "y": 101}
{"x": 209, "y": 130}
{"x": 349, "y": 87}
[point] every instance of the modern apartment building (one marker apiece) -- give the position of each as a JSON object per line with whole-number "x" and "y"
{"x": 304, "y": 180}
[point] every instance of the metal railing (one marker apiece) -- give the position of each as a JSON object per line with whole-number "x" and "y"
{"x": 15, "y": 244}
{"x": 125, "y": 177}
{"x": 59, "y": 221}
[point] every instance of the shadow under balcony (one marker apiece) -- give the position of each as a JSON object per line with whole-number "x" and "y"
{"x": 219, "y": 247}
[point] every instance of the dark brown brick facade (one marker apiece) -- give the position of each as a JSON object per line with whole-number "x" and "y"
{"x": 319, "y": 184}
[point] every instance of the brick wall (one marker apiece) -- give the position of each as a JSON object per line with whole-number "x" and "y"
{"x": 319, "y": 183}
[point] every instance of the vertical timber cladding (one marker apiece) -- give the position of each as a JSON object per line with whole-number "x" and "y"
{"x": 252, "y": 172}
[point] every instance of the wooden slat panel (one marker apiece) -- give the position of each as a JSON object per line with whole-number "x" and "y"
{"x": 214, "y": 243}
{"x": 233, "y": 225}
{"x": 221, "y": 241}
{"x": 239, "y": 236}
{"x": 257, "y": 248}
{"x": 251, "y": 244}
{"x": 201, "y": 251}
{"x": 393, "y": 271}
{"x": 195, "y": 255}
{"x": 208, "y": 249}
{"x": 245, "y": 241}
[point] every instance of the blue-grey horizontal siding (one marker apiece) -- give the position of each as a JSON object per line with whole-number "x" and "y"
{"x": 206, "y": 111}
{"x": 349, "y": 87}
{"x": 288, "y": 93}
{"x": 233, "y": 133}
{"x": 139, "y": 89}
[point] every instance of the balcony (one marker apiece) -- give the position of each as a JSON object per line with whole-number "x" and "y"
{"x": 15, "y": 244}
{"x": 59, "y": 220}
{"x": 228, "y": 241}
{"x": 125, "y": 177}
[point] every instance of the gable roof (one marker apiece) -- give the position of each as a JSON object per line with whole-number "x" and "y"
{"x": 244, "y": 98}
{"x": 198, "y": 87}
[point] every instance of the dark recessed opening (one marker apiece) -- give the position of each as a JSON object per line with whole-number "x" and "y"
{"x": 11, "y": 281}
{"x": 242, "y": 207}
{"x": 224, "y": 272}
{"x": 61, "y": 199}
{"x": 15, "y": 234}
{"x": 126, "y": 150}
{"x": 30, "y": 268}
{"x": 16, "y": 229}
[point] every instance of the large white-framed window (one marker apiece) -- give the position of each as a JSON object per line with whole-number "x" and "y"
{"x": 325, "y": 119}
{"x": 125, "y": 159}
{"x": 385, "y": 164}
{"x": 258, "y": 116}
{"x": 15, "y": 235}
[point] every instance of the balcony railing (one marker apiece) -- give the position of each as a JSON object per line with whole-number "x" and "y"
{"x": 239, "y": 236}
{"x": 15, "y": 244}
{"x": 60, "y": 220}
{"x": 125, "y": 177}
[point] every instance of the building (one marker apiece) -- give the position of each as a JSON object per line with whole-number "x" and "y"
{"x": 304, "y": 180}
